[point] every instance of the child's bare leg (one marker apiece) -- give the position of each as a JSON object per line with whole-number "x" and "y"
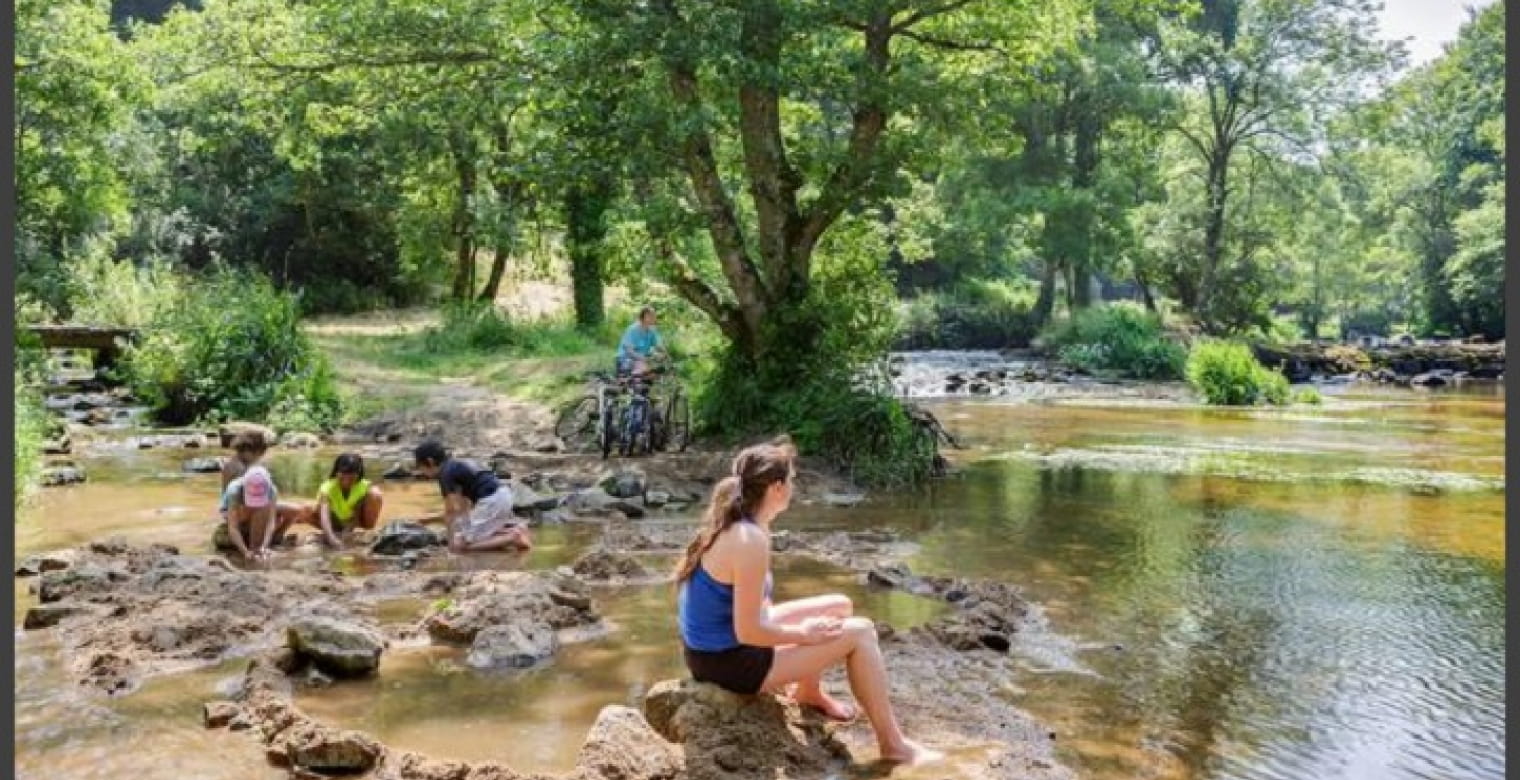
{"x": 513, "y": 536}
{"x": 369, "y": 512}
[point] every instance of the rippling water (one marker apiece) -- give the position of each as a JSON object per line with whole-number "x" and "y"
{"x": 1256, "y": 594}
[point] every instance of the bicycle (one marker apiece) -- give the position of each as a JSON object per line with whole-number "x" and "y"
{"x": 649, "y": 426}
{"x": 589, "y": 420}
{"x": 620, "y": 414}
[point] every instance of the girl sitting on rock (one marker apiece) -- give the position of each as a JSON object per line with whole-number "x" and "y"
{"x": 736, "y": 638}
{"x": 346, "y": 500}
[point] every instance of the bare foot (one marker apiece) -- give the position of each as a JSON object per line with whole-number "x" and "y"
{"x": 832, "y": 708}
{"x": 911, "y": 753}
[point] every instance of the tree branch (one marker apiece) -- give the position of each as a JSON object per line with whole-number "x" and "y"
{"x": 773, "y": 183}
{"x": 702, "y": 169}
{"x": 869, "y": 120}
{"x": 925, "y": 13}
{"x": 942, "y": 43}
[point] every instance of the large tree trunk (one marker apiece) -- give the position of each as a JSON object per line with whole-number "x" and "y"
{"x": 585, "y": 227}
{"x": 1084, "y": 176}
{"x": 1046, "y": 303}
{"x": 1213, "y": 232}
{"x": 464, "y": 218}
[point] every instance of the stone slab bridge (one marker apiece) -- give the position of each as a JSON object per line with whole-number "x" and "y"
{"x": 106, "y": 343}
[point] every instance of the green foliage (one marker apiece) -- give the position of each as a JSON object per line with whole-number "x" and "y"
{"x": 977, "y": 315}
{"x": 475, "y": 326}
{"x": 107, "y": 292}
{"x": 1307, "y": 395}
{"x": 233, "y": 350}
{"x": 817, "y": 380}
{"x": 31, "y": 428}
{"x": 1120, "y": 337}
{"x": 1226, "y": 373}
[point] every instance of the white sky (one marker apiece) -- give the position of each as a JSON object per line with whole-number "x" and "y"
{"x": 1429, "y": 24}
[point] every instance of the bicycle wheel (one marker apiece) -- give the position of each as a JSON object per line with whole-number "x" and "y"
{"x": 609, "y": 426}
{"x": 634, "y": 427}
{"x": 678, "y": 421}
{"x": 576, "y": 426}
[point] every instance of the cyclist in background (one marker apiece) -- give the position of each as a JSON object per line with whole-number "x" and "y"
{"x": 640, "y": 343}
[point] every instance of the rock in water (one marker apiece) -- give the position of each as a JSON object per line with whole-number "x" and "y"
{"x": 725, "y": 735}
{"x": 400, "y": 536}
{"x": 843, "y": 499}
{"x": 606, "y": 566}
{"x": 49, "y": 615}
{"x": 337, "y": 647}
{"x": 627, "y": 483}
{"x": 34, "y": 565}
{"x": 300, "y": 441}
{"x": 622, "y": 745}
{"x": 513, "y": 646}
{"x": 329, "y": 751}
{"x": 203, "y": 465}
{"x": 62, "y": 475}
{"x": 227, "y": 431}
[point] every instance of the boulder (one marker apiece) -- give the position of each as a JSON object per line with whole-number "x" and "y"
{"x": 338, "y": 647}
{"x": 49, "y": 615}
{"x": 843, "y": 499}
{"x": 656, "y": 499}
{"x": 299, "y": 440}
{"x": 327, "y": 751}
{"x": 83, "y": 579}
{"x": 34, "y": 565}
{"x": 217, "y": 714}
{"x": 227, "y": 431}
{"x": 622, "y": 745}
{"x": 400, "y": 536}
{"x": 59, "y": 446}
{"x": 203, "y": 465}
{"x": 608, "y": 566}
{"x": 514, "y": 646}
{"x": 627, "y": 483}
{"x": 398, "y": 470}
{"x": 725, "y": 735}
{"x": 62, "y": 475}
{"x": 1431, "y": 379}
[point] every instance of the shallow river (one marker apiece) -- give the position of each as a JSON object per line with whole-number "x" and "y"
{"x": 1309, "y": 593}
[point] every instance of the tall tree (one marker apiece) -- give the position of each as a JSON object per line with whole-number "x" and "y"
{"x": 1264, "y": 76}
{"x": 810, "y": 110}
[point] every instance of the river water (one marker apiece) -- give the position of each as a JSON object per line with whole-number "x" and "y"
{"x": 1315, "y": 592}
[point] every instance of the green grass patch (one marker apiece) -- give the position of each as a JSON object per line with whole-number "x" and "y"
{"x": 1226, "y": 373}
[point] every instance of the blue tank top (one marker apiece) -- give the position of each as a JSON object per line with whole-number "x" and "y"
{"x": 706, "y": 609}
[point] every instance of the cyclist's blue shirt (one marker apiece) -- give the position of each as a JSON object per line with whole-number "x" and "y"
{"x": 638, "y": 340}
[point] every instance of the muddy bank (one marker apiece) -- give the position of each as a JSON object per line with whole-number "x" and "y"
{"x": 125, "y": 613}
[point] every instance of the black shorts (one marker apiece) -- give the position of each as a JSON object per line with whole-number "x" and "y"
{"x": 740, "y": 669}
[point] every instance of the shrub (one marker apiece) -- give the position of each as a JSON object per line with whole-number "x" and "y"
{"x": 1121, "y": 337}
{"x": 816, "y": 384}
{"x": 1307, "y": 395}
{"x": 234, "y": 349}
{"x": 1228, "y": 374}
{"x": 978, "y": 315}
